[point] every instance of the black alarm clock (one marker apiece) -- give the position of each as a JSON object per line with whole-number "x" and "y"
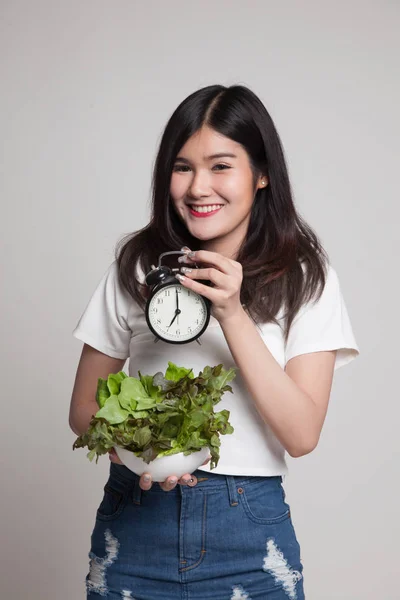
{"x": 174, "y": 313}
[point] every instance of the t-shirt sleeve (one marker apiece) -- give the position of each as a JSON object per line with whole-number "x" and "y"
{"x": 324, "y": 325}
{"x": 104, "y": 322}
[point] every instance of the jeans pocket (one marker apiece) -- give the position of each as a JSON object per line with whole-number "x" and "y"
{"x": 263, "y": 501}
{"x": 113, "y": 501}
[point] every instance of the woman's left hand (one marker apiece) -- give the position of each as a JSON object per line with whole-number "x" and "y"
{"x": 226, "y": 275}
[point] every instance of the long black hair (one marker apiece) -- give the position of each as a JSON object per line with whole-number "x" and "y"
{"x": 283, "y": 261}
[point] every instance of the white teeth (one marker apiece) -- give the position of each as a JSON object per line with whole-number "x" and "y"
{"x": 205, "y": 209}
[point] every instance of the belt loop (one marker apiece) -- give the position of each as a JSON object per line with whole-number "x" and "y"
{"x": 232, "y": 491}
{"x": 136, "y": 492}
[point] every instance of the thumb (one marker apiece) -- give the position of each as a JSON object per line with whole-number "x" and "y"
{"x": 113, "y": 456}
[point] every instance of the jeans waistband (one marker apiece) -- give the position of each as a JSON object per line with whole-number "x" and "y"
{"x": 205, "y": 479}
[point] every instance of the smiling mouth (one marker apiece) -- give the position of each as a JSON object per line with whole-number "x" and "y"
{"x": 204, "y": 209}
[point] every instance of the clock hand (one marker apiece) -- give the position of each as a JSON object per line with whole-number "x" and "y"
{"x": 177, "y": 303}
{"x": 177, "y": 312}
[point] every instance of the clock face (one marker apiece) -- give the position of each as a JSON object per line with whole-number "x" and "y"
{"x": 183, "y": 327}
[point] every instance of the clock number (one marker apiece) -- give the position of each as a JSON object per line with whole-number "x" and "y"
{"x": 178, "y": 332}
{"x": 159, "y": 321}
{"x": 159, "y": 300}
{"x": 189, "y": 330}
{"x": 166, "y": 292}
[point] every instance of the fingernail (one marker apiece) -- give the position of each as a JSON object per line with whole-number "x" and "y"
{"x": 185, "y": 481}
{"x": 182, "y": 259}
{"x": 146, "y": 478}
{"x": 172, "y": 481}
{"x": 186, "y": 270}
{"x": 185, "y": 249}
{"x": 180, "y": 277}
{"x": 191, "y": 254}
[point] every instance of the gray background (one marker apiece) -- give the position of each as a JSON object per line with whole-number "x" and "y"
{"x": 86, "y": 89}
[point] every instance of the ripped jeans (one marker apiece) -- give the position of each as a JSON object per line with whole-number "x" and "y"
{"x": 227, "y": 538}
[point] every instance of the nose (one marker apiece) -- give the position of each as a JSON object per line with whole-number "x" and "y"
{"x": 199, "y": 186}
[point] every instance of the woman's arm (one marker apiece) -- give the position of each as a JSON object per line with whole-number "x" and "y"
{"x": 294, "y": 401}
{"x": 83, "y": 405}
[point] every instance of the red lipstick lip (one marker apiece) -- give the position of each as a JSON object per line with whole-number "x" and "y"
{"x": 203, "y": 215}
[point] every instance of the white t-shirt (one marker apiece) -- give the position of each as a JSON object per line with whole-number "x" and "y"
{"x": 114, "y": 324}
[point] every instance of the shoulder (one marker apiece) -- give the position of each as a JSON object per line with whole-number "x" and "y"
{"x": 323, "y": 297}
{"x": 114, "y": 271}
{"x": 111, "y": 288}
{"x": 326, "y": 284}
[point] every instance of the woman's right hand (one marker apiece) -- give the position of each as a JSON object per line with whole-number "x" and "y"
{"x": 145, "y": 481}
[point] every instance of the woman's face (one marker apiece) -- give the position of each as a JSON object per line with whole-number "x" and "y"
{"x": 200, "y": 179}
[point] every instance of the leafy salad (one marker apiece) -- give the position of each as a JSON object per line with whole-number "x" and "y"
{"x": 158, "y": 415}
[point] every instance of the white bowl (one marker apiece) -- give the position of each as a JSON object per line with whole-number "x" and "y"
{"x": 162, "y": 467}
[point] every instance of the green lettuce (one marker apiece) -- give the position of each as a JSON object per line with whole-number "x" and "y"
{"x": 159, "y": 415}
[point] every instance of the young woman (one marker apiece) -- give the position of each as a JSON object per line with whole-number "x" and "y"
{"x": 278, "y": 315}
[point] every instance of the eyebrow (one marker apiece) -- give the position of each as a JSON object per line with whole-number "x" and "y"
{"x": 218, "y": 155}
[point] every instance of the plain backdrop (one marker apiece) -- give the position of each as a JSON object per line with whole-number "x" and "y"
{"x": 86, "y": 89}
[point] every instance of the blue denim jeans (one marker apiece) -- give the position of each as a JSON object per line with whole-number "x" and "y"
{"x": 227, "y": 538}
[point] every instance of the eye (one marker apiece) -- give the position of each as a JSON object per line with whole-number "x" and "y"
{"x": 221, "y": 165}
{"x": 180, "y": 167}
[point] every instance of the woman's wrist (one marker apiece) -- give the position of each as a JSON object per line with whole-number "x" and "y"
{"x": 235, "y": 319}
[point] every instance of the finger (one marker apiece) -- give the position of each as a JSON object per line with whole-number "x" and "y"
{"x": 169, "y": 483}
{"x": 213, "y": 258}
{"x": 145, "y": 481}
{"x": 185, "y": 259}
{"x": 113, "y": 456}
{"x": 200, "y": 288}
{"x": 185, "y": 479}
{"x": 210, "y": 274}
{"x": 190, "y": 480}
